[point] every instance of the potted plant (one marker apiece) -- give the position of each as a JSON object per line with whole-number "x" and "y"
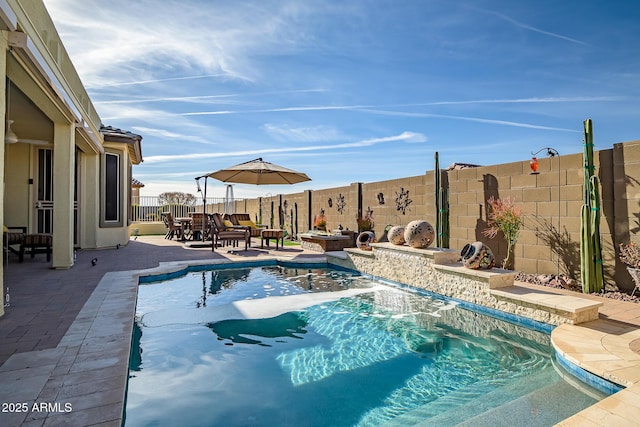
{"x": 365, "y": 223}
{"x": 630, "y": 256}
{"x": 320, "y": 221}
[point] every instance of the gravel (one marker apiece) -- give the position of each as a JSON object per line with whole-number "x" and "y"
{"x": 565, "y": 282}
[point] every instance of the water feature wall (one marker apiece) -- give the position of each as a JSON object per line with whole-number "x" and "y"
{"x": 438, "y": 270}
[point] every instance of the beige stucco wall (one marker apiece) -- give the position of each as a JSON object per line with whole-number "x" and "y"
{"x": 18, "y": 213}
{"x": 115, "y": 235}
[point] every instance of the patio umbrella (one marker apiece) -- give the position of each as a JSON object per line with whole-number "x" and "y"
{"x": 259, "y": 172}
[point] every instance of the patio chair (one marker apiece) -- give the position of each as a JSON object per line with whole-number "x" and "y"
{"x": 222, "y": 232}
{"x": 244, "y": 219}
{"x": 200, "y": 226}
{"x": 173, "y": 226}
{"x": 11, "y": 237}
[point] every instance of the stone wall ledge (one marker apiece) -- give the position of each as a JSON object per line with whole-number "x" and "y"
{"x": 494, "y": 278}
{"x": 359, "y": 252}
{"x": 576, "y": 309}
{"x": 438, "y": 255}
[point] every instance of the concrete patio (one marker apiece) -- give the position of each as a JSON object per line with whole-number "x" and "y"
{"x": 65, "y": 337}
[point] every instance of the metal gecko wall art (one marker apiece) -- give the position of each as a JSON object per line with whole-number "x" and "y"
{"x": 402, "y": 200}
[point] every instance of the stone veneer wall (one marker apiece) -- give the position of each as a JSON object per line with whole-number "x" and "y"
{"x": 554, "y": 196}
{"x": 438, "y": 271}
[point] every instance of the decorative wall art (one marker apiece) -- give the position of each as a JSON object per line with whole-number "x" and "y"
{"x": 340, "y": 203}
{"x": 402, "y": 200}
{"x": 380, "y": 199}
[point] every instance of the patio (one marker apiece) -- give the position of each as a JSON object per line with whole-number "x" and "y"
{"x": 52, "y": 351}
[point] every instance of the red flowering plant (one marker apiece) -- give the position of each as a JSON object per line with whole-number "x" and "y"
{"x": 504, "y": 216}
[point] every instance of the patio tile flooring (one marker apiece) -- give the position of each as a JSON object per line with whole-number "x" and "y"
{"x": 65, "y": 338}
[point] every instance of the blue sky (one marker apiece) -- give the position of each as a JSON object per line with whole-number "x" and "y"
{"x": 353, "y": 91}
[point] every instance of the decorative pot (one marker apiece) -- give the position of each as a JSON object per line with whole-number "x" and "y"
{"x": 364, "y": 240}
{"x": 477, "y": 256}
{"x": 396, "y": 235}
{"x": 419, "y": 234}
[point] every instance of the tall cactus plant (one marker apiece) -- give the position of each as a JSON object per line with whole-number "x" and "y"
{"x": 590, "y": 248}
{"x": 442, "y": 207}
{"x": 437, "y": 184}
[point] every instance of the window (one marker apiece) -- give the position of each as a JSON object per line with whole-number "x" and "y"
{"x": 111, "y": 190}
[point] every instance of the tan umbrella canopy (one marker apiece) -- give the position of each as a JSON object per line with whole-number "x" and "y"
{"x": 259, "y": 172}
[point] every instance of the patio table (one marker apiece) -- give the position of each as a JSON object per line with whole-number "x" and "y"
{"x": 185, "y": 223}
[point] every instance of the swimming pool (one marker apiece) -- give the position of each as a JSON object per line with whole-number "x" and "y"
{"x": 305, "y": 346}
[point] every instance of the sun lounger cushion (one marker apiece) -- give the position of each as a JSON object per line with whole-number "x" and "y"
{"x": 228, "y": 223}
{"x": 248, "y": 223}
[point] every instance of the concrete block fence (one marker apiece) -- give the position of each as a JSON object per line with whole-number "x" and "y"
{"x": 550, "y": 201}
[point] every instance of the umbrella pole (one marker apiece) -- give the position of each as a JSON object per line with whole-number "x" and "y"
{"x": 204, "y": 208}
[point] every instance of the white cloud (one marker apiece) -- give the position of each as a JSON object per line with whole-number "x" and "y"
{"x": 532, "y": 28}
{"x": 279, "y": 110}
{"x": 303, "y": 133}
{"x": 410, "y": 137}
{"x": 146, "y": 38}
{"x": 469, "y": 119}
{"x": 166, "y": 134}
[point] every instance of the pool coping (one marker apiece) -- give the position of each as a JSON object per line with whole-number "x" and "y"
{"x": 88, "y": 370}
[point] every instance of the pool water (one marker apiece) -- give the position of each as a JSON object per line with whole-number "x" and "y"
{"x": 281, "y": 346}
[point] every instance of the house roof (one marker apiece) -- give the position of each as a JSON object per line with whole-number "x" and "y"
{"x": 136, "y": 184}
{"x": 112, "y": 134}
{"x": 458, "y": 166}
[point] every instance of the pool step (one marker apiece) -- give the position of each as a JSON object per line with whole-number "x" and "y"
{"x": 480, "y": 398}
{"x": 543, "y": 407}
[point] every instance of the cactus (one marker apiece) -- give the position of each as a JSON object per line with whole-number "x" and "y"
{"x": 442, "y": 207}
{"x": 590, "y": 247}
{"x": 436, "y": 182}
{"x": 295, "y": 208}
{"x": 271, "y": 221}
{"x": 444, "y": 216}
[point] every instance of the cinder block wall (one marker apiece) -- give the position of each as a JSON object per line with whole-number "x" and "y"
{"x": 399, "y": 201}
{"x": 624, "y": 220}
{"x": 550, "y": 201}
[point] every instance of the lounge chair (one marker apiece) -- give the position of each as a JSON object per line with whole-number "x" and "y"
{"x": 244, "y": 219}
{"x": 222, "y": 232}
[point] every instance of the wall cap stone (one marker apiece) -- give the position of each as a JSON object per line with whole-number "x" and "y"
{"x": 575, "y": 308}
{"x": 495, "y": 278}
{"x": 438, "y": 255}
